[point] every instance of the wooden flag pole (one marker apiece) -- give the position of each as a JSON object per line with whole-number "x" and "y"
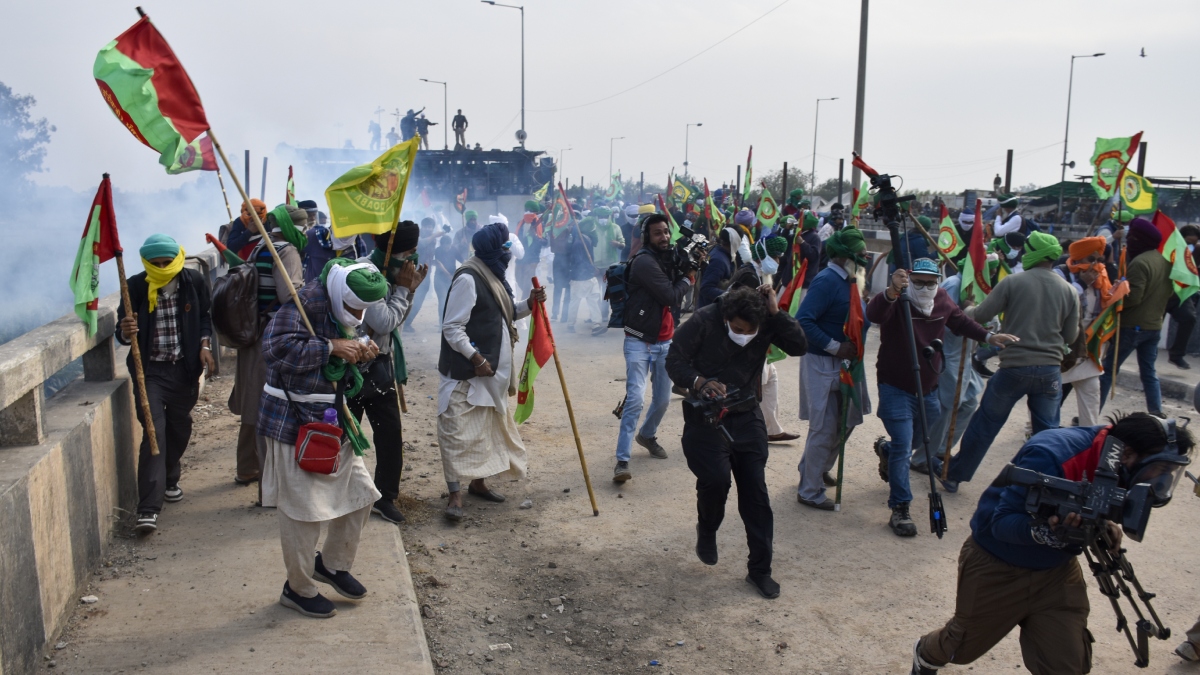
{"x": 228, "y": 211}
{"x": 962, "y": 361}
{"x": 570, "y": 411}
{"x": 387, "y": 262}
{"x": 139, "y": 374}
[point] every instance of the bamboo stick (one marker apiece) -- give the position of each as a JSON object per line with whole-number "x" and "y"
{"x": 138, "y": 372}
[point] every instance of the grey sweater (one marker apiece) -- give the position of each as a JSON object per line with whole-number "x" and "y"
{"x": 1040, "y": 308}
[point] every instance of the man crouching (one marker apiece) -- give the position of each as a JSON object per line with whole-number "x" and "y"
{"x": 718, "y": 354}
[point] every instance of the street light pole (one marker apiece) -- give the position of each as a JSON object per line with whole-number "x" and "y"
{"x": 816, "y": 118}
{"x": 445, "y": 111}
{"x": 560, "y": 160}
{"x": 861, "y": 92}
{"x": 610, "y": 153}
{"x": 687, "y": 129}
{"x": 520, "y": 134}
{"x": 1066, "y": 134}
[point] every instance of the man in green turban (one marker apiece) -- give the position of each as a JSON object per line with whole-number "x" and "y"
{"x": 303, "y": 368}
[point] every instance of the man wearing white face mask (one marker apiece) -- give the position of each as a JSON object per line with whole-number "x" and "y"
{"x": 933, "y": 311}
{"x": 719, "y": 353}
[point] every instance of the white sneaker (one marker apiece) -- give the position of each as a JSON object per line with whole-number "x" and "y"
{"x": 1187, "y": 652}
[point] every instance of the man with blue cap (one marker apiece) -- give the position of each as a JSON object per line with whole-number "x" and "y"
{"x": 933, "y": 311}
{"x": 169, "y": 317}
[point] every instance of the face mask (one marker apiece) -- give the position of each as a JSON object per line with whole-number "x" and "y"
{"x": 769, "y": 266}
{"x": 851, "y": 267}
{"x": 923, "y": 298}
{"x": 738, "y": 338}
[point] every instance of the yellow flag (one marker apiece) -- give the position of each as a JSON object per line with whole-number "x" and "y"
{"x": 367, "y": 199}
{"x": 1138, "y": 194}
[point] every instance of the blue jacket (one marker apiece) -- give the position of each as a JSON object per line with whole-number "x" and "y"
{"x": 824, "y": 309}
{"x": 719, "y": 269}
{"x": 1001, "y": 525}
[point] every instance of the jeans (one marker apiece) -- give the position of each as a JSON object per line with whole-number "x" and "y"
{"x": 1146, "y": 344}
{"x": 712, "y": 458}
{"x": 172, "y": 395}
{"x": 901, "y": 418}
{"x": 1041, "y": 384}
{"x": 642, "y": 359}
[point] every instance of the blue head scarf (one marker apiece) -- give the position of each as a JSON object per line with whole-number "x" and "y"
{"x": 489, "y": 242}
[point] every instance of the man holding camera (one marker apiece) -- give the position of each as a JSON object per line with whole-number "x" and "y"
{"x": 933, "y": 312}
{"x": 719, "y": 355}
{"x": 1017, "y": 569}
{"x": 656, "y": 284}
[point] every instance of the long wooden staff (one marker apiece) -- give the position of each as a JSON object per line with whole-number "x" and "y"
{"x": 540, "y": 313}
{"x": 962, "y": 361}
{"x": 138, "y": 372}
{"x": 228, "y": 211}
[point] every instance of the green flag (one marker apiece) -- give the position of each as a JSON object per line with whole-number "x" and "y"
{"x": 768, "y": 210}
{"x": 1137, "y": 194}
{"x": 1109, "y": 160}
{"x": 749, "y": 175}
{"x": 367, "y": 199}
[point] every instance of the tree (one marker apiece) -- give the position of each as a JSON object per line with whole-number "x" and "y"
{"x": 23, "y": 140}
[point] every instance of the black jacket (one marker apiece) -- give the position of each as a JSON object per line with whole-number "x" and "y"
{"x": 652, "y": 287}
{"x": 812, "y": 250}
{"x": 702, "y": 348}
{"x": 194, "y": 318}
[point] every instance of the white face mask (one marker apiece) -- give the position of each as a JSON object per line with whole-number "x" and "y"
{"x": 923, "y": 298}
{"x": 740, "y": 339}
{"x": 769, "y": 266}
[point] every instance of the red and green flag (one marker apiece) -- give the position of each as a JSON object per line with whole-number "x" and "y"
{"x": 537, "y": 353}
{"x": 768, "y": 210}
{"x": 862, "y": 197}
{"x": 662, "y": 206}
{"x": 949, "y": 242}
{"x": 290, "y": 199}
{"x": 460, "y": 202}
{"x": 1101, "y": 331}
{"x": 852, "y": 379}
{"x": 231, "y": 259}
{"x": 148, "y": 90}
{"x": 1184, "y": 277}
{"x": 98, "y": 244}
{"x": 976, "y": 283}
{"x": 716, "y": 220}
{"x": 560, "y": 213}
{"x": 1109, "y": 159}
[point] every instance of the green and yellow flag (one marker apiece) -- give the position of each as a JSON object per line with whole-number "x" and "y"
{"x": 1137, "y": 194}
{"x": 768, "y": 210}
{"x": 749, "y": 175}
{"x": 540, "y": 195}
{"x": 949, "y": 243}
{"x": 1108, "y": 161}
{"x": 680, "y": 193}
{"x": 367, "y": 199}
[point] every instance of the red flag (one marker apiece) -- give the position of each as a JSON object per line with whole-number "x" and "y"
{"x": 537, "y": 353}
{"x": 794, "y": 286}
{"x": 460, "y": 202}
{"x": 108, "y": 244}
{"x": 977, "y": 253}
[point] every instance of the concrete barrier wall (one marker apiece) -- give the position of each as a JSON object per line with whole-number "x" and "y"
{"x": 68, "y": 473}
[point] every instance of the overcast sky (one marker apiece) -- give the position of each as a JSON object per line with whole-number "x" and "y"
{"x": 950, "y": 84}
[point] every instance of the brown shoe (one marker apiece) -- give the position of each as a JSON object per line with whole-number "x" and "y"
{"x": 782, "y": 437}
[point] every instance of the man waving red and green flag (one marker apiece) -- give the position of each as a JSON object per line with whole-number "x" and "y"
{"x": 148, "y": 90}
{"x": 98, "y": 244}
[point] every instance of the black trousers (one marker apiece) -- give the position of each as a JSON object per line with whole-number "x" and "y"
{"x": 172, "y": 395}
{"x": 384, "y": 412}
{"x": 1183, "y": 315}
{"x": 712, "y": 458}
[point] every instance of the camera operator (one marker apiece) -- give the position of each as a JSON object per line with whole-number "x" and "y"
{"x": 656, "y": 285}
{"x": 1018, "y": 570}
{"x": 719, "y": 353}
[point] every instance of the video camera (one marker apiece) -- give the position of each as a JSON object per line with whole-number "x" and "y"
{"x": 691, "y": 250}
{"x": 1096, "y": 502}
{"x": 713, "y": 408}
{"x": 889, "y": 201}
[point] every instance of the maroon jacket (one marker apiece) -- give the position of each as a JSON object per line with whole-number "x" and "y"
{"x": 893, "y": 366}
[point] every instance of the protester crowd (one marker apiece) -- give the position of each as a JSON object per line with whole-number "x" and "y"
{"x": 333, "y": 312}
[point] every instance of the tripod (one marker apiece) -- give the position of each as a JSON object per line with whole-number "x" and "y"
{"x": 1112, "y": 571}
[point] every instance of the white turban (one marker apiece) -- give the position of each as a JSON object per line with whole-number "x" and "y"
{"x": 340, "y": 295}
{"x": 498, "y": 218}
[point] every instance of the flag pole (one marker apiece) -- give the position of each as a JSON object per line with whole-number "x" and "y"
{"x": 228, "y": 211}
{"x": 387, "y": 262}
{"x": 962, "y": 361}
{"x": 1112, "y": 392}
{"x": 139, "y": 374}
{"x": 570, "y": 411}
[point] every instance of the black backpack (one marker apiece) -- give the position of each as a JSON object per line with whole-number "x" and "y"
{"x": 616, "y": 291}
{"x": 235, "y": 313}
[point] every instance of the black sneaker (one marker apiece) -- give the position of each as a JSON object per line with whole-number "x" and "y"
{"x": 901, "y": 523}
{"x": 981, "y": 368}
{"x": 1179, "y": 362}
{"x": 765, "y": 584}
{"x": 346, "y": 585}
{"x": 919, "y": 666}
{"x": 621, "y": 472}
{"x": 173, "y": 494}
{"x": 318, "y": 606}
{"x": 387, "y": 510}
{"x": 656, "y": 451}
{"x": 706, "y": 547}
{"x": 881, "y": 451}
{"x": 146, "y": 523}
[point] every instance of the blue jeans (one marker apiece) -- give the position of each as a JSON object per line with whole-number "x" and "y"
{"x": 1041, "y": 384}
{"x": 642, "y": 359}
{"x": 901, "y": 419}
{"x": 1146, "y": 344}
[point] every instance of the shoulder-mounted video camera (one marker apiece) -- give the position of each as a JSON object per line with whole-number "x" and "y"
{"x": 1151, "y": 483}
{"x": 691, "y": 250}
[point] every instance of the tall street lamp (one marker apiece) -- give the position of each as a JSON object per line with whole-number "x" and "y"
{"x": 521, "y": 132}
{"x": 687, "y": 129}
{"x": 560, "y": 162}
{"x": 816, "y": 118}
{"x": 610, "y": 153}
{"x": 1070, "y": 83}
{"x": 445, "y": 89}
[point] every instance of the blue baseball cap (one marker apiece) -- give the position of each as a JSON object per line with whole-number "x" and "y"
{"x": 925, "y": 266}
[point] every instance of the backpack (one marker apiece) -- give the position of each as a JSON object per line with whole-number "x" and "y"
{"x": 235, "y": 313}
{"x": 616, "y": 292}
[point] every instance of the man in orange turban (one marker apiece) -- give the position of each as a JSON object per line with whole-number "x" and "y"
{"x": 243, "y": 233}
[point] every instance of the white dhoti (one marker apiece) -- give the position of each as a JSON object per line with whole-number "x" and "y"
{"x": 478, "y": 441}
{"x": 314, "y": 497}
{"x": 770, "y": 399}
{"x": 585, "y": 295}
{"x": 1084, "y": 379}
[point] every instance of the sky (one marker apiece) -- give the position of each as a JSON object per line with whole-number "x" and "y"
{"x": 950, "y": 86}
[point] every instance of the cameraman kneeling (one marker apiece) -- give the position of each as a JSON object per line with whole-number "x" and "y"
{"x": 1018, "y": 570}
{"x": 719, "y": 354}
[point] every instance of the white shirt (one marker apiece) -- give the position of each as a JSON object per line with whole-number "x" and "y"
{"x": 518, "y": 252}
{"x": 1003, "y": 227}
